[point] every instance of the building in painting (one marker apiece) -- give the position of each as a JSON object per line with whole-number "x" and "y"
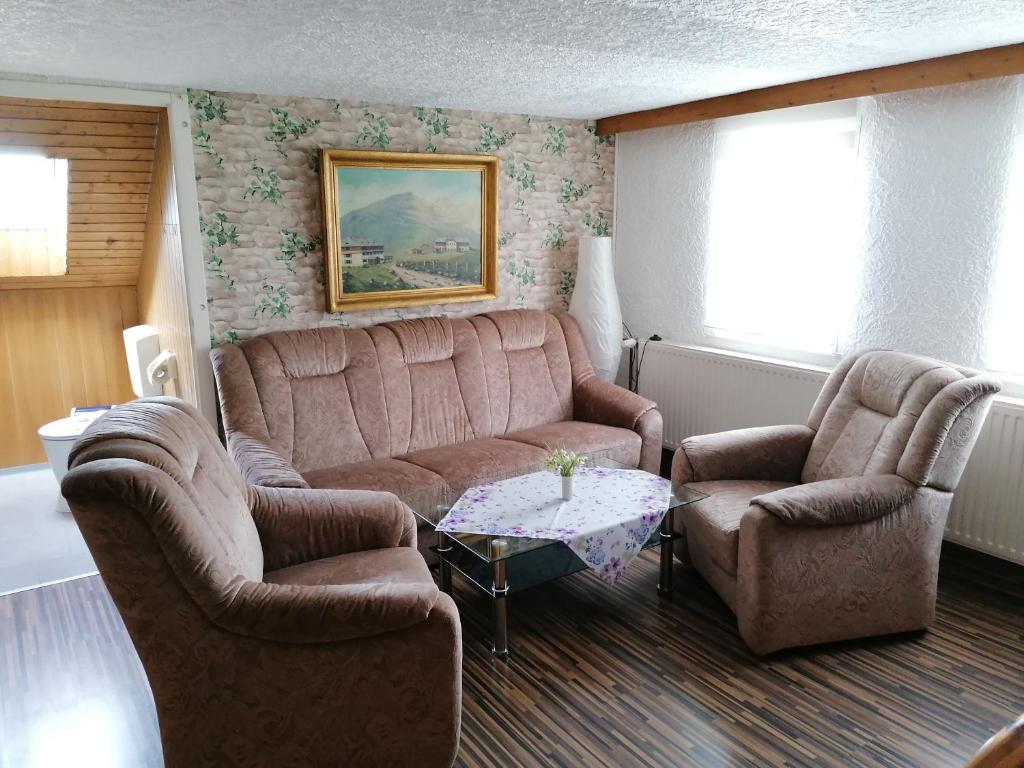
{"x": 362, "y": 254}
{"x": 451, "y": 245}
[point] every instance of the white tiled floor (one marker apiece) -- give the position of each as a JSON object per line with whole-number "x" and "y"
{"x": 39, "y": 540}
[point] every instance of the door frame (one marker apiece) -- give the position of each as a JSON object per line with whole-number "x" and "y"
{"x": 179, "y": 121}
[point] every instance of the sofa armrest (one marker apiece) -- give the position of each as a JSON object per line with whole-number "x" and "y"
{"x": 838, "y": 502}
{"x": 298, "y": 525}
{"x": 245, "y": 425}
{"x": 758, "y": 453}
{"x": 262, "y": 465}
{"x": 602, "y": 402}
{"x": 289, "y": 613}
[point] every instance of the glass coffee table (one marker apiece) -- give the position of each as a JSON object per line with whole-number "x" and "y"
{"x": 500, "y": 566}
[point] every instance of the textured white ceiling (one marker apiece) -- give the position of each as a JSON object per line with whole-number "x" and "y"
{"x": 569, "y": 58}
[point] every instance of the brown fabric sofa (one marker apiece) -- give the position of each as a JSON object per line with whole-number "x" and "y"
{"x": 278, "y": 627}
{"x": 832, "y": 530}
{"x": 424, "y": 408}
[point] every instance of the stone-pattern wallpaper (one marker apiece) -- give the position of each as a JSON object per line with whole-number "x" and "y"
{"x": 259, "y": 199}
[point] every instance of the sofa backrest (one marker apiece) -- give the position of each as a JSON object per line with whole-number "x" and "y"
{"x": 883, "y": 412}
{"x": 152, "y": 476}
{"x": 331, "y": 396}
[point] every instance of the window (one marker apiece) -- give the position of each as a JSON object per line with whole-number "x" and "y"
{"x": 33, "y": 215}
{"x": 783, "y": 249}
{"x": 1004, "y": 347}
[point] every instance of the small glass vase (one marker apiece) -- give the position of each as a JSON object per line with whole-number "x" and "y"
{"x": 566, "y": 487}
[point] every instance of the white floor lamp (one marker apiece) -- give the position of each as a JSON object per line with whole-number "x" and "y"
{"x": 595, "y": 305}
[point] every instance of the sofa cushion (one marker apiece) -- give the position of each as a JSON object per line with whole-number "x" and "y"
{"x": 530, "y": 374}
{"x": 479, "y": 461}
{"x": 598, "y": 440}
{"x": 418, "y": 487}
{"x": 433, "y": 378}
{"x": 395, "y": 565}
{"x": 321, "y": 395}
{"x": 713, "y": 525}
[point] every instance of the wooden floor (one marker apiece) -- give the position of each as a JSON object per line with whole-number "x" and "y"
{"x": 598, "y": 677}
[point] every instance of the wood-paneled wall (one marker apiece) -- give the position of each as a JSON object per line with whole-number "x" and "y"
{"x": 59, "y": 348}
{"x": 110, "y": 149}
{"x": 162, "y": 275}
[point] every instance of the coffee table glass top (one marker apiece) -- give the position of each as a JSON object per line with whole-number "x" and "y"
{"x": 490, "y": 549}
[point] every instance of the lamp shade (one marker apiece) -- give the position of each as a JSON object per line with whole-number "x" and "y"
{"x": 595, "y": 305}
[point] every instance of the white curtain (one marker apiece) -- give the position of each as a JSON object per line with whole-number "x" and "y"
{"x": 783, "y": 246}
{"x": 33, "y": 215}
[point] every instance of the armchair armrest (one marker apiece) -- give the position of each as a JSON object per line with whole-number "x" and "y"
{"x": 758, "y": 453}
{"x": 262, "y": 465}
{"x": 322, "y": 614}
{"x": 297, "y": 525}
{"x": 809, "y": 583}
{"x": 602, "y": 402}
{"x": 838, "y": 502}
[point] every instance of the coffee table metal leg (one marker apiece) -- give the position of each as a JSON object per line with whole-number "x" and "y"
{"x": 665, "y": 582}
{"x": 500, "y": 598}
{"x": 444, "y": 546}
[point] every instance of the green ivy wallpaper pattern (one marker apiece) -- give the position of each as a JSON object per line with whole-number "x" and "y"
{"x": 259, "y": 201}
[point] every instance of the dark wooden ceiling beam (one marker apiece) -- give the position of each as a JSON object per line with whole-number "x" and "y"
{"x": 945, "y": 70}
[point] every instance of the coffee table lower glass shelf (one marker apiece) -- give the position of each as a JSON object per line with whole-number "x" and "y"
{"x": 500, "y": 566}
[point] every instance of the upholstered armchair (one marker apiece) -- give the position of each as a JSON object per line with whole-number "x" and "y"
{"x": 277, "y": 626}
{"x": 832, "y": 530}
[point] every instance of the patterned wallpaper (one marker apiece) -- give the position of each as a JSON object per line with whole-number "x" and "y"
{"x": 256, "y": 169}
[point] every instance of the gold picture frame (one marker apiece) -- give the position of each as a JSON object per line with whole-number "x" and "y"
{"x": 402, "y": 229}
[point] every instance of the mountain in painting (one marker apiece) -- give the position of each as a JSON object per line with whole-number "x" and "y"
{"x": 406, "y": 220}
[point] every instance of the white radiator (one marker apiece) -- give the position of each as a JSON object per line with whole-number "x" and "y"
{"x": 988, "y": 509}
{"x": 700, "y": 391}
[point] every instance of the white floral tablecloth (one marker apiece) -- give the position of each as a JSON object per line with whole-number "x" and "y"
{"x": 611, "y": 515}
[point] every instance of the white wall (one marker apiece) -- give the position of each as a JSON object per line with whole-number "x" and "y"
{"x": 934, "y": 168}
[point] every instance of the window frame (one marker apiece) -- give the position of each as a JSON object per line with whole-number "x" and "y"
{"x": 1013, "y": 381}
{"x": 839, "y": 112}
{"x": 53, "y": 218}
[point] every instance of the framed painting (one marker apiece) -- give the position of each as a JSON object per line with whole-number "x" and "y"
{"x": 406, "y": 228}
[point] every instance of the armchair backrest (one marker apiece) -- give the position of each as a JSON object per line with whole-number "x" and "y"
{"x": 162, "y": 508}
{"x": 325, "y": 397}
{"x": 884, "y": 412}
